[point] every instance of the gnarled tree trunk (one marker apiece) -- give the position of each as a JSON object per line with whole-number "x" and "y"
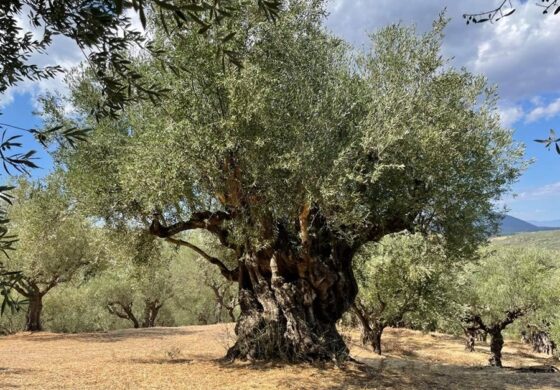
{"x": 495, "y": 332}
{"x": 293, "y": 287}
{"x": 33, "y": 316}
{"x": 372, "y": 329}
{"x": 496, "y": 345}
{"x": 290, "y": 306}
{"x": 470, "y": 340}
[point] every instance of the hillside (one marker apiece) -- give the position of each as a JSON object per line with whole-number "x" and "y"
{"x": 188, "y": 358}
{"x": 511, "y": 225}
{"x": 542, "y": 239}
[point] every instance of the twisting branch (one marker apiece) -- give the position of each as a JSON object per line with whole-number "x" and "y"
{"x": 492, "y": 15}
{"x": 199, "y": 220}
{"x": 231, "y": 275}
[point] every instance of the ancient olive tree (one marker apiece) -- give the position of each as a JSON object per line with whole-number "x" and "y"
{"x": 55, "y": 243}
{"x": 295, "y": 161}
{"x": 405, "y": 278}
{"x": 508, "y": 284}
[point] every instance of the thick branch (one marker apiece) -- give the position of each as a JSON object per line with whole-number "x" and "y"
{"x": 231, "y": 275}
{"x": 360, "y": 313}
{"x": 208, "y": 220}
{"x": 127, "y": 315}
{"x": 477, "y": 321}
{"x": 510, "y": 317}
{"x": 200, "y": 220}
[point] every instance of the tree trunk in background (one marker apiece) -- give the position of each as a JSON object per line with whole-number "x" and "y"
{"x": 290, "y": 305}
{"x": 151, "y": 311}
{"x": 470, "y": 334}
{"x": 496, "y": 345}
{"x": 470, "y": 341}
{"x": 376, "y": 339}
{"x": 33, "y": 317}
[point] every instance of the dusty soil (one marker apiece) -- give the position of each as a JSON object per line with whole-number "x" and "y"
{"x": 188, "y": 358}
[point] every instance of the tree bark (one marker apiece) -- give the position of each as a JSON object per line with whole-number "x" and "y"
{"x": 294, "y": 284}
{"x": 33, "y": 317}
{"x": 289, "y": 308}
{"x": 151, "y": 311}
{"x": 470, "y": 342}
{"x": 496, "y": 345}
{"x": 376, "y": 340}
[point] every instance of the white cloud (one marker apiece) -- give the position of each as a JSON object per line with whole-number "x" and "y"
{"x": 543, "y": 192}
{"x": 519, "y": 52}
{"x": 546, "y": 111}
{"x": 510, "y": 115}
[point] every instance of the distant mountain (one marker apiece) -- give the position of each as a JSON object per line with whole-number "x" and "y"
{"x": 553, "y": 223}
{"x": 511, "y": 225}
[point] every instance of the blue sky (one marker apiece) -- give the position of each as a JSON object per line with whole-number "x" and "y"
{"x": 519, "y": 53}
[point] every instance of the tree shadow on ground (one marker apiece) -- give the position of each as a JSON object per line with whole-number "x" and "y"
{"x": 399, "y": 373}
{"x": 111, "y": 336}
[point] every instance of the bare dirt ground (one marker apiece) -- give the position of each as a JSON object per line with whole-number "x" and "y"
{"x": 188, "y": 358}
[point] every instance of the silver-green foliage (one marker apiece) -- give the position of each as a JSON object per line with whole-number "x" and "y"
{"x": 524, "y": 280}
{"x": 405, "y": 279}
{"x": 395, "y": 135}
{"x": 55, "y": 243}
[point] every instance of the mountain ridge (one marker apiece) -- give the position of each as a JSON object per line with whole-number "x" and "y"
{"x": 511, "y": 225}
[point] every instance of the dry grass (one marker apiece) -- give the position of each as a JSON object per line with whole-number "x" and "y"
{"x": 187, "y": 358}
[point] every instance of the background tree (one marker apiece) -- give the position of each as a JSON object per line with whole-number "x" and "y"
{"x": 361, "y": 153}
{"x": 55, "y": 243}
{"x": 506, "y": 285}
{"x": 404, "y": 278}
{"x": 138, "y": 283}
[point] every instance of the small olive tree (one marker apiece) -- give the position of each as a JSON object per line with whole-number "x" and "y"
{"x": 137, "y": 282}
{"x": 507, "y": 284}
{"x": 405, "y": 278}
{"x": 55, "y": 243}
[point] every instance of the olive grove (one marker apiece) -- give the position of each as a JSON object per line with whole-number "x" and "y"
{"x": 294, "y": 161}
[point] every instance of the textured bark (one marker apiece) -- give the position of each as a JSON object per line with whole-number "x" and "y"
{"x": 495, "y": 332}
{"x": 289, "y": 307}
{"x": 376, "y": 340}
{"x": 33, "y": 317}
{"x": 496, "y": 345}
{"x": 470, "y": 341}
{"x": 473, "y": 334}
{"x": 539, "y": 339}
{"x": 372, "y": 329}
